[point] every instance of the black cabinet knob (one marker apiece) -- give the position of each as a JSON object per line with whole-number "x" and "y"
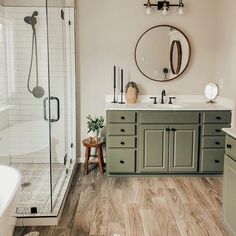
{"x": 122, "y": 143}
{"x": 218, "y": 130}
{"x": 217, "y": 143}
{"x": 122, "y": 162}
{"x": 218, "y": 118}
{"x": 168, "y": 130}
{"x": 122, "y": 130}
{"x": 122, "y": 118}
{"x": 229, "y": 146}
{"x": 173, "y": 129}
{"x": 217, "y": 161}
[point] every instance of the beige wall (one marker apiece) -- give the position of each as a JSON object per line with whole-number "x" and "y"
{"x": 226, "y": 48}
{"x": 108, "y": 31}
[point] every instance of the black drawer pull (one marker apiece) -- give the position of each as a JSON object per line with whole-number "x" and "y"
{"x": 229, "y": 146}
{"x": 168, "y": 130}
{"x": 122, "y": 130}
{"x": 122, "y": 162}
{"x": 217, "y": 143}
{"x": 218, "y": 130}
{"x": 122, "y": 143}
{"x": 173, "y": 129}
{"x": 217, "y": 161}
{"x": 122, "y": 118}
{"x": 218, "y": 118}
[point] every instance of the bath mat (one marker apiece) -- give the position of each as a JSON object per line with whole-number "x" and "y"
{"x": 33, "y": 234}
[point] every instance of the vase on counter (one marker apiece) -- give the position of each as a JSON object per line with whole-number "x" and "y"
{"x": 131, "y": 92}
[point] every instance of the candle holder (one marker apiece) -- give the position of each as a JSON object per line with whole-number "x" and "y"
{"x": 121, "y": 98}
{"x": 114, "y": 97}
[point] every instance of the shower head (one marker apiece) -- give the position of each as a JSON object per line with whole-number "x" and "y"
{"x": 32, "y": 20}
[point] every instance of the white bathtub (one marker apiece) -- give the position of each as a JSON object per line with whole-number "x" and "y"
{"x": 10, "y": 180}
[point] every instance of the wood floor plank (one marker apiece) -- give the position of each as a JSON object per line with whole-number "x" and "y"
{"x": 116, "y": 229}
{"x": 188, "y": 228}
{"x": 133, "y": 221}
{"x": 165, "y": 217}
{"x": 150, "y": 223}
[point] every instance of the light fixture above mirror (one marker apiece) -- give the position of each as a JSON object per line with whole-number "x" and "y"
{"x": 164, "y": 7}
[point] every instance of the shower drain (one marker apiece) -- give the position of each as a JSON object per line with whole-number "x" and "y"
{"x": 25, "y": 184}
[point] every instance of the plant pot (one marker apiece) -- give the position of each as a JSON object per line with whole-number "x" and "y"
{"x": 131, "y": 95}
{"x": 93, "y": 136}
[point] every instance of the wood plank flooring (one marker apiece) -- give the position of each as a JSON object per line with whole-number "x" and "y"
{"x": 139, "y": 206}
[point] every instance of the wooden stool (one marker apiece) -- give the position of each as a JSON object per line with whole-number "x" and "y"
{"x": 98, "y": 145}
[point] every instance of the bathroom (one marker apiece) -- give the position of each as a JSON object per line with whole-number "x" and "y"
{"x": 76, "y": 57}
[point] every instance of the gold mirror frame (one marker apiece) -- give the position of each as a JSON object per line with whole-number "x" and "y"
{"x": 189, "y": 56}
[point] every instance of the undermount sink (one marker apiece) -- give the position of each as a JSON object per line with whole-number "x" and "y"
{"x": 166, "y": 106}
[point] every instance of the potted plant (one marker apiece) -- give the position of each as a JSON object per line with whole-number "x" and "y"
{"x": 131, "y": 92}
{"x": 94, "y": 126}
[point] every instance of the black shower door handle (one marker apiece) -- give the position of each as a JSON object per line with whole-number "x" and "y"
{"x": 58, "y": 109}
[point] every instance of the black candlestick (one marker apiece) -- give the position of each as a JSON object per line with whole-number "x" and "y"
{"x": 114, "y": 86}
{"x": 121, "y": 88}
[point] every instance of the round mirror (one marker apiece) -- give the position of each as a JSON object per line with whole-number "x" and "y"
{"x": 211, "y": 92}
{"x": 162, "y": 53}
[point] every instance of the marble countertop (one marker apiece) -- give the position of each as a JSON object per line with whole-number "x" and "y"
{"x": 185, "y": 106}
{"x": 230, "y": 131}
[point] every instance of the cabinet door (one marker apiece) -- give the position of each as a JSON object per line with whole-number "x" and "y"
{"x": 154, "y": 148}
{"x": 183, "y": 148}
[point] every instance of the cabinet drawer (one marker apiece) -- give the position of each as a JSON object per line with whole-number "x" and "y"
{"x": 121, "y": 142}
{"x": 213, "y": 130}
{"x": 121, "y": 161}
{"x": 121, "y": 116}
{"x": 121, "y": 129}
{"x": 169, "y": 117}
{"x": 212, "y": 160}
{"x": 217, "y": 117}
{"x": 213, "y": 142}
{"x": 230, "y": 147}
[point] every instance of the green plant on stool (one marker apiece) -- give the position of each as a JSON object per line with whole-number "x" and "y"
{"x": 94, "y": 126}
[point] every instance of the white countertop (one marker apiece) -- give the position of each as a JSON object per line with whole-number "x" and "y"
{"x": 230, "y": 131}
{"x": 186, "y": 106}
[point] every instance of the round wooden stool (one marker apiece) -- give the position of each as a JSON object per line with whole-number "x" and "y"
{"x": 98, "y": 145}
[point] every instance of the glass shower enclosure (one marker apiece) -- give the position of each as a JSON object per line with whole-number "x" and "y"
{"x": 37, "y": 100}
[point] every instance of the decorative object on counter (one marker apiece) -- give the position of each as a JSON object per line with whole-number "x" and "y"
{"x": 164, "y": 7}
{"x": 98, "y": 145}
{"x": 114, "y": 86}
{"x": 122, "y": 87}
{"x": 211, "y": 92}
{"x": 131, "y": 92}
{"x": 170, "y": 52}
{"x": 94, "y": 127}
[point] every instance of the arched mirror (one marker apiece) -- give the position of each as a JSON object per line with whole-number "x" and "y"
{"x": 162, "y": 53}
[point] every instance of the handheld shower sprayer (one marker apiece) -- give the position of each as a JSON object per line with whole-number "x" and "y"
{"x": 37, "y": 91}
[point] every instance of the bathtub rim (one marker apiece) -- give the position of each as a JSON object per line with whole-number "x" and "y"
{"x": 8, "y": 202}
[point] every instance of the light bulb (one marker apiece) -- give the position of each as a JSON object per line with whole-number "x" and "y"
{"x": 165, "y": 11}
{"x": 181, "y": 11}
{"x": 149, "y": 10}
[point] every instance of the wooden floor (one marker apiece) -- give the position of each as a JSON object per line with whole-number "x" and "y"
{"x": 137, "y": 206}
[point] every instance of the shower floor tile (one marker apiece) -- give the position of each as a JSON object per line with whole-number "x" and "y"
{"x": 35, "y": 186}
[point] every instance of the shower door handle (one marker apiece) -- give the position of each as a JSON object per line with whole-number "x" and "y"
{"x": 58, "y": 109}
{"x": 45, "y": 109}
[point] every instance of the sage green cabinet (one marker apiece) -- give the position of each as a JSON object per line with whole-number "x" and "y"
{"x": 154, "y": 141}
{"x": 169, "y": 148}
{"x": 183, "y": 148}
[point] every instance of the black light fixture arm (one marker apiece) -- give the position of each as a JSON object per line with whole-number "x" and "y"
{"x": 161, "y": 4}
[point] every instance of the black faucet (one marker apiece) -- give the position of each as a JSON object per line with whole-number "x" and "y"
{"x": 163, "y": 93}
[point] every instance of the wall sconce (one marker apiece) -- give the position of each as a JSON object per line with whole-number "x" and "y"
{"x": 164, "y": 7}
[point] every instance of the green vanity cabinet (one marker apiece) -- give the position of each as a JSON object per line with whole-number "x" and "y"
{"x": 169, "y": 148}
{"x": 213, "y": 140}
{"x": 162, "y": 142}
{"x": 121, "y": 142}
{"x": 154, "y": 143}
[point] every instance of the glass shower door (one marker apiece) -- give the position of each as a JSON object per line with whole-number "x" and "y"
{"x": 58, "y": 101}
